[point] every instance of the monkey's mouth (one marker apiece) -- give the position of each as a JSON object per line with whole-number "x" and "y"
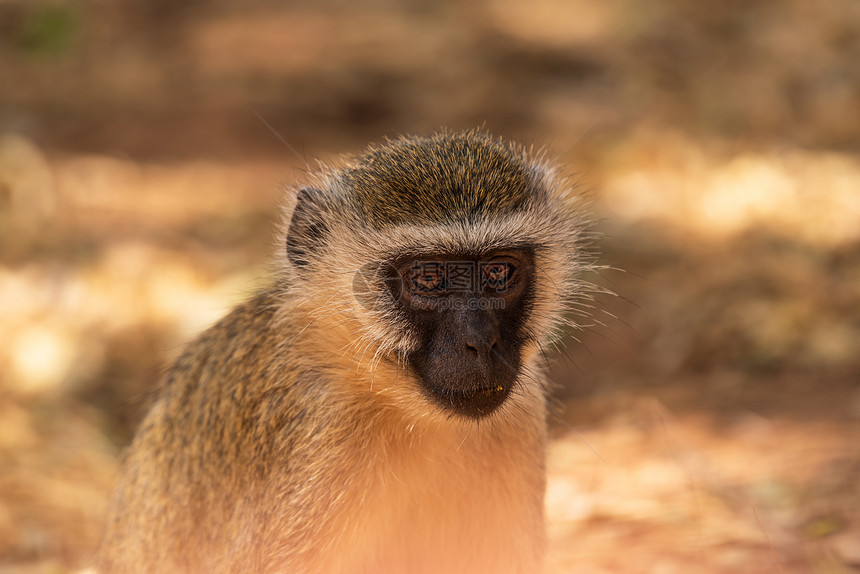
{"x": 472, "y": 403}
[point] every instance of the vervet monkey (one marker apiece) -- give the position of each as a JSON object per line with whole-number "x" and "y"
{"x": 380, "y": 408}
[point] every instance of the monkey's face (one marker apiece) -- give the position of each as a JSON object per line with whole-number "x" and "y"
{"x": 468, "y": 312}
{"x": 460, "y": 251}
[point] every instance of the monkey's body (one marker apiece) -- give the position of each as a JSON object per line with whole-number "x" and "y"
{"x": 299, "y": 435}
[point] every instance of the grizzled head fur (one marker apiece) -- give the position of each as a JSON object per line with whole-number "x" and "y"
{"x": 444, "y": 178}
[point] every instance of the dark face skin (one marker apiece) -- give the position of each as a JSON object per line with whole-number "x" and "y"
{"x": 468, "y": 311}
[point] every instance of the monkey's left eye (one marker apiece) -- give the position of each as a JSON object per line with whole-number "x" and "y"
{"x": 497, "y": 274}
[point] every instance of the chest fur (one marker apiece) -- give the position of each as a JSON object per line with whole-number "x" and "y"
{"x": 455, "y": 500}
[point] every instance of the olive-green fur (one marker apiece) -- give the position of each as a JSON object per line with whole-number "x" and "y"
{"x": 445, "y": 177}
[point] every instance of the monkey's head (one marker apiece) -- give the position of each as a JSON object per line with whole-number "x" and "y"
{"x": 452, "y": 255}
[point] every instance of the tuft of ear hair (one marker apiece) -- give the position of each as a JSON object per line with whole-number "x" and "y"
{"x": 307, "y": 229}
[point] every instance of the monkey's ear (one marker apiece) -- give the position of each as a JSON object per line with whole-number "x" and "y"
{"x": 307, "y": 231}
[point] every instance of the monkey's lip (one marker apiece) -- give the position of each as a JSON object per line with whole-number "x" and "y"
{"x": 473, "y": 403}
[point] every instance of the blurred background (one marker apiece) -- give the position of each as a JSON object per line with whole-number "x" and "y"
{"x": 708, "y": 420}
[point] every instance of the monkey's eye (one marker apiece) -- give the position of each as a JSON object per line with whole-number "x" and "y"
{"x": 427, "y": 278}
{"x": 496, "y": 275}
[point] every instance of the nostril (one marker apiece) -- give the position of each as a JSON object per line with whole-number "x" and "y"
{"x": 482, "y": 348}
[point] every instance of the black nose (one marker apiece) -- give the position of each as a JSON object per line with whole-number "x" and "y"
{"x": 467, "y": 366}
{"x": 480, "y": 334}
{"x": 482, "y": 347}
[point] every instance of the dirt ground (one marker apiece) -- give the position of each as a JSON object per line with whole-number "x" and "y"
{"x": 706, "y": 418}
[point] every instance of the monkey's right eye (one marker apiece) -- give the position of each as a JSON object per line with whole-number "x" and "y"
{"x": 427, "y": 278}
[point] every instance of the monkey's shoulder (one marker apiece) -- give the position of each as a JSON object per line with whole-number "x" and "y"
{"x": 244, "y": 357}
{"x": 239, "y": 384}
